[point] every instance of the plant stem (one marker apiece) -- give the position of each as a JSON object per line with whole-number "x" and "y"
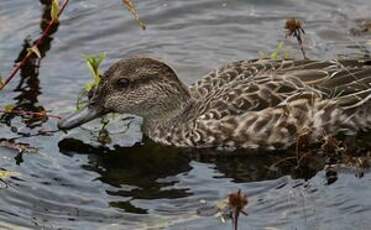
{"x": 236, "y": 215}
{"x": 30, "y": 113}
{"x": 38, "y": 42}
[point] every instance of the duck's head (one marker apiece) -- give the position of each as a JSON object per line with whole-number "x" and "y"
{"x": 142, "y": 86}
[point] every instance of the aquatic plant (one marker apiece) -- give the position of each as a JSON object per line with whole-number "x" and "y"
{"x": 279, "y": 53}
{"x": 93, "y": 62}
{"x": 18, "y": 146}
{"x": 4, "y": 175}
{"x": 237, "y": 202}
{"x": 294, "y": 28}
{"x": 56, "y": 12}
{"x": 229, "y": 207}
{"x": 11, "y": 109}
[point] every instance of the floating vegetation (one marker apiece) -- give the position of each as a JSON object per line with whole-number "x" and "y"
{"x": 331, "y": 154}
{"x": 18, "y": 146}
{"x": 12, "y": 109}
{"x": 104, "y": 135}
{"x": 4, "y": 175}
{"x": 294, "y": 28}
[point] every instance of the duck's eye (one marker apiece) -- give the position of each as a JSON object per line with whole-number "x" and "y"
{"x": 123, "y": 83}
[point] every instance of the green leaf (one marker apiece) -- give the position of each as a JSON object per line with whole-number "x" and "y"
{"x": 89, "y": 86}
{"x": 279, "y": 52}
{"x": 93, "y": 62}
{"x": 54, "y": 12}
{"x": 82, "y": 100}
{"x": 286, "y": 55}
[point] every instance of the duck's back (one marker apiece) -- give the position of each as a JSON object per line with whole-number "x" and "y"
{"x": 265, "y": 103}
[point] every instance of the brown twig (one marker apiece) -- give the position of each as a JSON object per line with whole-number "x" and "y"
{"x": 30, "y": 113}
{"x": 38, "y": 42}
{"x": 131, "y": 8}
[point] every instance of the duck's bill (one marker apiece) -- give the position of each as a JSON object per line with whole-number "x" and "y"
{"x": 79, "y": 118}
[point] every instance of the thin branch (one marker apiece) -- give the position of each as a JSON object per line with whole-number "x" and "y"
{"x": 30, "y": 113}
{"x": 38, "y": 42}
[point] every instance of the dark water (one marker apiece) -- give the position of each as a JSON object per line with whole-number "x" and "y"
{"x": 72, "y": 182}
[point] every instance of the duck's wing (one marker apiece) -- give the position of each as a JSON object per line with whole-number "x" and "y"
{"x": 348, "y": 82}
{"x": 271, "y": 103}
{"x": 339, "y": 77}
{"x": 259, "y": 84}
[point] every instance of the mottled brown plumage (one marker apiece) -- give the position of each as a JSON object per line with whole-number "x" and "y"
{"x": 245, "y": 104}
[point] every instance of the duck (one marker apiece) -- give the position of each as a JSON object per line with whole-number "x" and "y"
{"x": 255, "y": 104}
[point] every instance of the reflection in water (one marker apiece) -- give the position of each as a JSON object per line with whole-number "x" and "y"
{"x": 140, "y": 166}
{"x": 262, "y": 166}
{"x": 29, "y": 83}
{"x": 138, "y": 172}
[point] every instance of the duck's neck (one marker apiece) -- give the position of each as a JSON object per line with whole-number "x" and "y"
{"x": 178, "y": 114}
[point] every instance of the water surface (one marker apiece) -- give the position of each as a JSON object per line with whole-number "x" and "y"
{"x": 73, "y": 182}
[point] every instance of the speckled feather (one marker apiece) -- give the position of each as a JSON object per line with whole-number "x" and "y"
{"x": 269, "y": 104}
{"x": 246, "y": 104}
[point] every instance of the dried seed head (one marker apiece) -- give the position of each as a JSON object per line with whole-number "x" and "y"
{"x": 237, "y": 200}
{"x": 295, "y": 29}
{"x": 293, "y": 26}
